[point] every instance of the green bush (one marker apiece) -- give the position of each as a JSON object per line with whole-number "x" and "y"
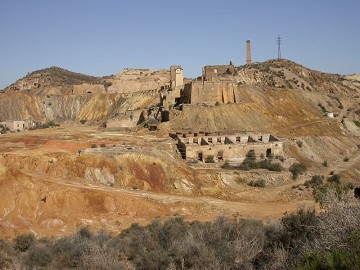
{"x": 296, "y": 169}
{"x": 346, "y": 256}
{"x": 335, "y": 178}
{"x": 24, "y": 241}
{"x": 299, "y": 226}
{"x": 322, "y": 107}
{"x": 299, "y": 143}
{"x": 315, "y": 181}
{"x": 209, "y": 159}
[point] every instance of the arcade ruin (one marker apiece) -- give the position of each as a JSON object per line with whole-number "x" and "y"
{"x": 226, "y": 146}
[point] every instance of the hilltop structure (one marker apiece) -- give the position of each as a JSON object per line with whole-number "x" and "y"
{"x": 216, "y": 85}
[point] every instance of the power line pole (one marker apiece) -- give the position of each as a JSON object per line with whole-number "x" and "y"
{"x": 278, "y": 40}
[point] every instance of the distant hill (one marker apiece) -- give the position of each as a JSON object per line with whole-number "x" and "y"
{"x": 50, "y": 77}
{"x": 282, "y": 73}
{"x": 59, "y": 81}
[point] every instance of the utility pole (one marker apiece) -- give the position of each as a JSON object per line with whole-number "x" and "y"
{"x": 278, "y": 40}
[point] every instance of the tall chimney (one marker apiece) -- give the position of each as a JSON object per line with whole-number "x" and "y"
{"x": 248, "y": 52}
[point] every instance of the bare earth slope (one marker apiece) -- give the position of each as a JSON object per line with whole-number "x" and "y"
{"x": 263, "y": 109}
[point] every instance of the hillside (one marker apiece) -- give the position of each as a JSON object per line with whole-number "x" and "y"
{"x": 44, "y": 80}
{"x": 59, "y": 81}
{"x": 282, "y": 73}
{"x": 58, "y": 94}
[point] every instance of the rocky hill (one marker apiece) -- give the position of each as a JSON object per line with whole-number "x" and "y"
{"x": 64, "y": 96}
{"x": 45, "y": 80}
{"x": 58, "y": 94}
{"x": 59, "y": 81}
{"x": 281, "y": 73}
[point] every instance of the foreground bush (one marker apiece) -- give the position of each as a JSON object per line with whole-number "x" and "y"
{"x": 299, "y": 240}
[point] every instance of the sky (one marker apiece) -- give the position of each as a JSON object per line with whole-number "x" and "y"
{"x": 102, "y": 37}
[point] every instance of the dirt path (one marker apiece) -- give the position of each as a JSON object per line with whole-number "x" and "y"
{"x": 341, "y": 165}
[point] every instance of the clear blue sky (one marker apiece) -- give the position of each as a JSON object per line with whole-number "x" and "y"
{"x": 103, "y": 37}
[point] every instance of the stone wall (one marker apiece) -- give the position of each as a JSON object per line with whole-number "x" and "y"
{"x": 198, "y": 92}
{"x": 211, "y": 72}
{"x": 15, "y": 125}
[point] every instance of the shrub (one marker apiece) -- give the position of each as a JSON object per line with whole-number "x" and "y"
{"x": 93, "y": 145}
{"x": 325, "y": 163}
{"x": 296, "y": 169}
{"x": 249, "y": 164}
{"x": 102, "y": 145}
{"x": 251, "y": 155}
{"x": 37, "y": 256}
{"x": 315, "y": 181}
{"x": 322, "y": 107}
{"x": 226, "y": 165}
{"x": 83, "y": 121}
{"x": 299, "y": 143}
{"x": 258, "y": 183}
{"x": 346, "y": 159}
{"x": 24, "y": 241}
{"x": 335, "y": 178}
{"x": 299, "y": 226}
{"x": 209, "y": 159}
{"x": 279, "y": 157}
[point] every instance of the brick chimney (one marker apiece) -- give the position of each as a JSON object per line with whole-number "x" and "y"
{"x": 248, "y": 52}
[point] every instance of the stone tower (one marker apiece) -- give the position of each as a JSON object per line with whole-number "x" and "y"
{"x": 248, "y": 52}
{"x": 176, "y": 77}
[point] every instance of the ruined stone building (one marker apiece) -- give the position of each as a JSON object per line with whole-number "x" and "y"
{"x": 169, "y": 96}
{"x": 216, "y": 85}
{"x": 211, "y": 73}
{"x": 232, "y": 146}
{"x": 18, "y": 125}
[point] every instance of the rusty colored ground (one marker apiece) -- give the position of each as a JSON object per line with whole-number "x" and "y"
{"x": 52, "y": 182}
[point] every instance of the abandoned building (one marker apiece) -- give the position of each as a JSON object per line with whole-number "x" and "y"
{"x": 216, "y": 84}
{"x": 211, "y": 73}
{"x": 231, "y": 146}
{"x": 18, "y": 125}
